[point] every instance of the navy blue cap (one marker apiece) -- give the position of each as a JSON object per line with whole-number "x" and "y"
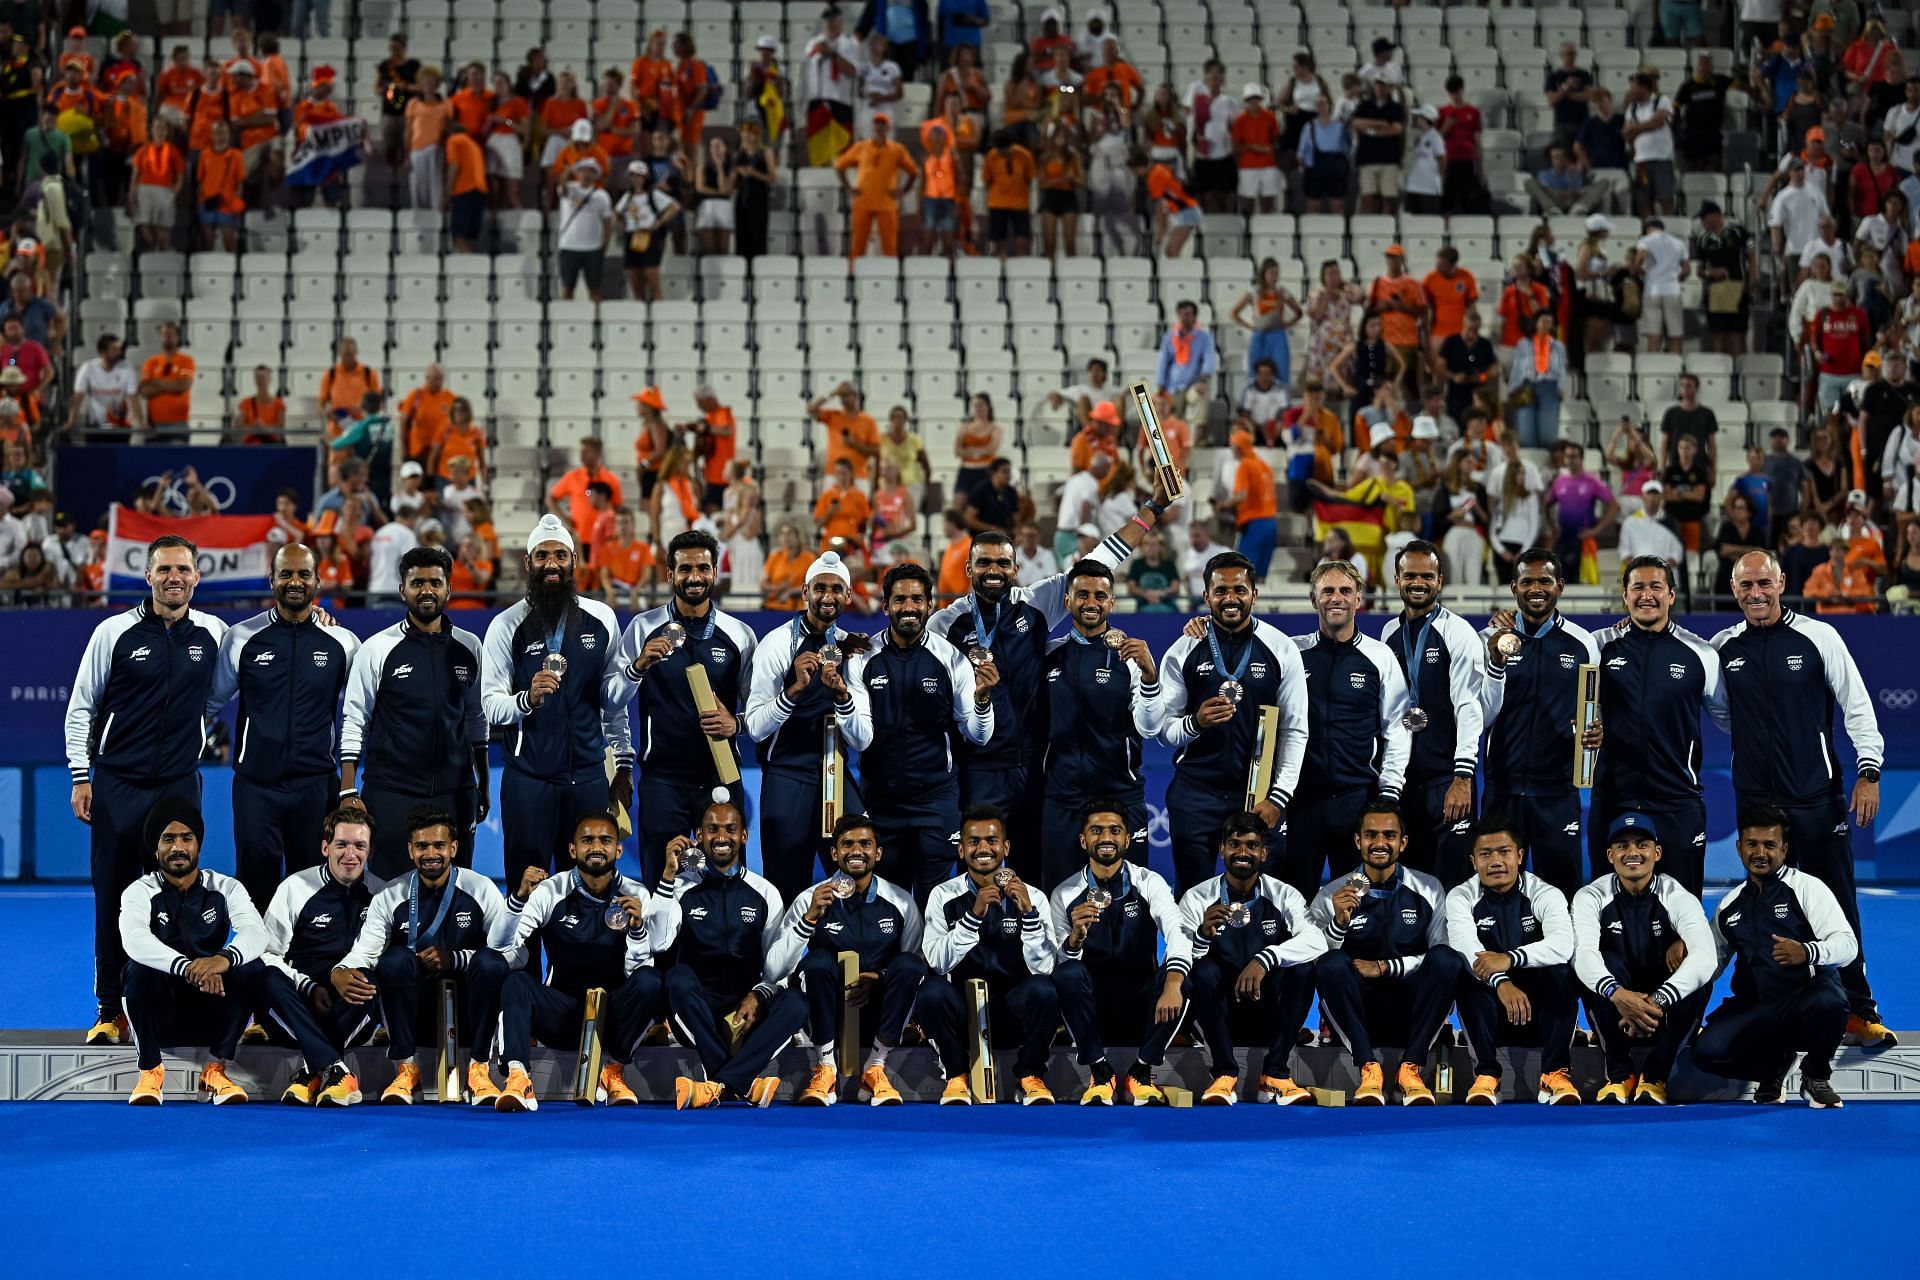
{"x": 1639, "y": 823}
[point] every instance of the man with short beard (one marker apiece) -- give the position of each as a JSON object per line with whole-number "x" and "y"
{"x": 1786, "y": 677}
{"x": 598, "y": 931}
{"x": 854, "y": 911}
{"x": 1255, "y": 949}
{"x": 562, "y": 721}
{"x": 1440, "y": 658}
{"x": 792, "y": 694}
{"x": 426, "y": 926}
{"x": 1112, "y": 921}
{"x": 727, "y": 1001}
{"x": 924, "y": 696}
{"x": 134, "y": 737}
{"x": 1356, "y": 724}
{"x": 413, "y": 731}
{"x": 1013, "y": 624}
{"x": 311, "y": 924}
{"x": 676, "y": 767}
{"x": 288, "y": 665}
{"x": 1214, "y": 681}
{"x": 1528, "y": 701}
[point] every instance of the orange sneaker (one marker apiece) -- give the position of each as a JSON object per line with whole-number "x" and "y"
{"x": 762, "y": 1092}
{"x": 877, "y": 1087}
{"x": 516, "y": 1094}
{"x": 339, "y": 1089}
{"x": 147, "y": 1091}
{"x": 1372, "y": 1091}
{"x": 300, "y": 1091}
{"x": 1413, "y": 1089}
{"x": 1222, "y": 1092}
{"x": 214, "y": 1079}
{"x": 696, "y": 1095}
{"x": 1281, "y": 1091}
{"x": 956, "y": 1094}
{"x": 1485, "y": 1092}
{"x": 821, "y": 1090}
{"x": 1034, "y": 1092}
{"x": 614, "y": 1090}
{"x": 481, "y": 1090}
{"x": 1557, "y": 1090}
{"x": 405, "y": 1087}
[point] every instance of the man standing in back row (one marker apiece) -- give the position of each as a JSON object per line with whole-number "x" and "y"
{"x": 134, "y": 735}
{"x": 1786, "y": 674}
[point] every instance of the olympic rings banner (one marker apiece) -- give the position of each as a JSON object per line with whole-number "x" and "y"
{"x": 240, "y": 480}
{"x": 43, "y": 648}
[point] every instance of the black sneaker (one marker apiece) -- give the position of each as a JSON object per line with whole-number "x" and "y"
{"x": 1820, "y": 1095}
{"x": 1770, "y": 1090}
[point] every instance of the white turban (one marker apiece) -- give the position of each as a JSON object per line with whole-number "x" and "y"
{"x": 549, "y": 530}
{"x": 829, "y": 565}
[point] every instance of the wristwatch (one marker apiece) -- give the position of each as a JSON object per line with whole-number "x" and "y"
{"x": 1869, "y": 774}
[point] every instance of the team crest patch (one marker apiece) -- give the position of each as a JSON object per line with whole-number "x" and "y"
{"x": 464, "y": 919}
{"x": 1270, "y": 927}
{"x": 1677, "y": 671}
{"x": 930, "y": 684}
{"x": 1433, "y": 656}
{"x": 1528, "y": 924}
{"x": 1102, "y": 676}
{"x": 1258, "y": 671}
{"x": 1357, "y": 679}
{"x": 1409, "y": 916}
{"x": 210, "y": 915}
{"x": 463, "y": 674}
{"x": 1795, "y": 661}
{"x": 886, "y": 924}
{"x": 589, "y": 640}
{"x": 1566, "y": 661}
{"x": 1779, "y": 911}
{"x": 319, "y": 657}
{"x": 749, "y": 914}
{"x": 1133, "y": 910}
{"x": 1009, "y": 925}
{"x": 1021, "y": 624}
{"x": 719, "y": 654}
{"x": 196, "y": 652}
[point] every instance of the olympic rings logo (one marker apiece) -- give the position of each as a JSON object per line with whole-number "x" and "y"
{"x": 1899, "y": 699}
{"x": 174, "y": 495}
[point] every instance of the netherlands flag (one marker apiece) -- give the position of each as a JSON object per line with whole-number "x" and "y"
{"x": 330, "y": 148}
{"x": 234, "y": 550}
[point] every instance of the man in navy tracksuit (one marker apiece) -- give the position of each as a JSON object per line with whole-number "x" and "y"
{"x": 1388, "y": 973}
{"x": 1013, "y": 623}
{"x": 1655, "y": 679}
{"x": 569, "y": 913}
{"x": 413, "y": 731}
{"x": 288, "y": 666}
{"x": 1255, "y": 949}
{"x": 135, "y": 730}
{"x": 1529, "y": 701}
{"x": 1003, "y": 937}
{"x": 725, "y": 999}
{"x": 1513, "y": 930}
{"x": 1439, "y": 654}
{"x": 426, "y": 926}
{"x": 1787, "y": 938}
{"x": 1099, "y": 704}
{"x": 559, "y": 725}
{"x": 1645, "y": 958}
{"x": 853, "y": 911}
{"x": 677, "y": 773}
{"x": 792, "y": 697}
{"x": 1112, "y": 920}
{"x": 1357, "y": 739}
{"x": 1786, "y": 674}
{"x": 923, "y": 694}
{"x": 193, "y": 944}
{"x": 1212, "y": 730}
{"x": 311, "y": 924}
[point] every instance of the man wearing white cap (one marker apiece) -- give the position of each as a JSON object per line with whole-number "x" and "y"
{"x": 1256, "y": 148}
{"x": 549, "y": 675}
{"x": 1648, "y": 532}
{"x": 586, "y": 224}
{"x": 390, "y": 542}
{"x": 796, "y": 691}
{"x": 657, "y": 653}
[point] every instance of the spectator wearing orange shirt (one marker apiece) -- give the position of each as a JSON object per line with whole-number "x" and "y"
{"x": 626, "y": 560}
{"x": 842, "y": 511}
{"x": 1256, "y": 150}
{"x": 1175, "y": 210}
{"x": 939, "y": 188}
{"x": 344, "y": 387}
{"x": 882, "y": 173}
{"x": 275, "y": 74}
{"x": 1450, "y": 291}
{"x": 1009, "y": 171}
{"x": 615, "y": 116}
{"x": 1521, "y": 300}
{"x": 159, "y": 171}
{"x": 1839, "y": 586}
{"x": 651, "y": 445}
{"x": 1117, "y": 72}
{"x": 253, "y": 109}
{"x": 222, "y": 170}
{"x": 75, "y": 51}
{"x": 166, "y": 383}
{"x": 123, "y": 122}
{"x": 332, "y": 566}
{"x": 423, "y": 415}
{"x": 463, "y": 438}
{"x": 471, "y": 103}
{"x": 73, "y": 93}
{"x": 785, "y": 578}
{"x": 466, "y": 189}
{"x": 1100, "y": 435}
{"x": 176, "y": 86}
{"x": 209, "y": 105}
{"x": 963, "y": 140}
{"x": 650, "y": 82}
{"x": 558, "y": 115}
{"x": 472, "y": 575}
{"x": 263, "y": 415}
{"x": 851, "y": 432}
{"x": 1254, "y": 504}
{"x": 714, "y": 442}
{"x": 1402, "y": 305}
{"x": 691, "y": 87}
{"x": 318, "y": 107}
{"x": 568, "y": 498}
{"x": 952, "y": 581}
{"x": 1062, "y": 175}
{"x": 508, "y": 122}
{"x": 428, "y": 114}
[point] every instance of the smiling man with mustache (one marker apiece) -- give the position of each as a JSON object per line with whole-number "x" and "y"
{"x": 288, "y": 665}
{"x": 1644, "y": 955}
{"x": 854, "y": 911}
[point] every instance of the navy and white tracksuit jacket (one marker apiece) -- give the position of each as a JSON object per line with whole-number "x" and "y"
{"x": 1451, "y": 671}
{"x": 1793, "y": 905}
{"x": 582, "y": 952}
{"x": 672, "y": 746}
{"x": 1280, "y": 931}
{"x": 879, "y": 925}
{"x": 138, "y": 706}
{"x": 1356, "y": 700}
{"x": 565, "y": 738}
{"x": 1653, "y": 687}
{"x": 1620, "y": 939}
{"x": 413, "y": 710}
{"x": 725, "y": 925}
{"x": 1005, "y": 945}
{"x": 1127, "y": 938}
{"x": 1528, "y": 922}
{"x": 476, "y": 919}
{"x": 921, "y": 701}
{"x": 1097, "y": 710}
{"x": 1217, "y": 760}
{"x": 788, "y": 730}
{"x": 289, "y": 677}
{"x": 312, "y": 922}
{"x": 165, "y": 929}
{"x": 1397, "y": 923}
{"x": 1528, "y": 706}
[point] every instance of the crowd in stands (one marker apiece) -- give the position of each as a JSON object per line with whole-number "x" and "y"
{"x": 1429, "y": 402}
